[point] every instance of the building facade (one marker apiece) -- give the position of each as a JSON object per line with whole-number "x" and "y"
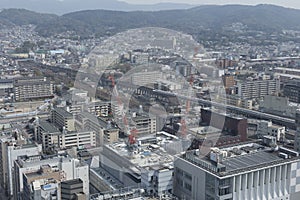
{"x": 257, "y": 88}
{"x": 26, "y": 89}
{"x": 233, "y": 174}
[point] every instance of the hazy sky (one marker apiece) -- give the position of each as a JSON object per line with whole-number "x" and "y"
{"x": 286, "y": 3}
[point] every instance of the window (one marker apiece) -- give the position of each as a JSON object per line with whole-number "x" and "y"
{"x": 188, "y": 186}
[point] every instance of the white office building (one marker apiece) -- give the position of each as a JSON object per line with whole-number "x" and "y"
{"x": 72, "y": 169}
{"x": 10, "y": 149}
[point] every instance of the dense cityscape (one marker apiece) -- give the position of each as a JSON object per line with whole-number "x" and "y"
{"x": 151, "y": 107}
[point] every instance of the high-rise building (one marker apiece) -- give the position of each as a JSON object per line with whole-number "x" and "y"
{"x": 292, "y": 91}
{"x": 6, "y": 89}
{"x": 62, "y": 119}
{"x": 47, "y": 134}
{"x": 245, "y": 171}
{"x": 104, "y": 130}
{"x": 10, "y": 149}
{"x": 297, "y": 133}
{"x": 53, "y": 139}
{"x": 143, "y": 124}
{"x": 79, "y": 139}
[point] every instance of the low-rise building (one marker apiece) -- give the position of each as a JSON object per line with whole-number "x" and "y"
{"x": 63, "y": 166}
{"x": 268, "y": 128}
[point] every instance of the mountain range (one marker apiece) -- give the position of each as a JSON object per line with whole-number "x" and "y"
{"x": 106, "y": 22}
{"x": 60, "y": 7}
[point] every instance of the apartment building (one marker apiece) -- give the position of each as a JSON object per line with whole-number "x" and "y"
{"x": 62, "y": 119}
{"x": 257, "y": 88}
{"x": 26, "y": 89}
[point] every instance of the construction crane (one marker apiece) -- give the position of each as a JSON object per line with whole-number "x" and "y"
{"x": 132, "y": 134}
{"x": 132, "y": 137}
{"x": 188, "y": 102}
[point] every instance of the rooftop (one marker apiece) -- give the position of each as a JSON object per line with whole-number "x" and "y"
{"x": 48, "y": 127}
{"x": 150, "y": 151}
{"x": 63, "y": 112}
{"x": 240, "y": 158}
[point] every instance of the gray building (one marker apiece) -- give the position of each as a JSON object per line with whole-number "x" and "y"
{"x": 62, "y": 119}
{"x": 245, "y": 171}
{"x": 292, "y": 91}
{"x": 71, "y": 189}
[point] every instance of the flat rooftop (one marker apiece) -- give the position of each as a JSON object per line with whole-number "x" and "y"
{"x": 250, "y": 160}
{"x": 240, "y": 158}
{"x": 48, "y": 127}
{"x": 150, "y": 151}
{"x": 63, "y": 112}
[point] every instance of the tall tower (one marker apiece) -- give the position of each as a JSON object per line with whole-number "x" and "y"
{"x": 297, "y": 134}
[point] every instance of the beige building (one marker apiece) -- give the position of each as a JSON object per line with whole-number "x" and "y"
{"x": 81, "y": 139}
{"x": 105, "y": 132}
{"x": 62, "y": 119}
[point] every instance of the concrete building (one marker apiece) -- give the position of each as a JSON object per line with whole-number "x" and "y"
{"x": 10, "y": 149}
{"x": 98, "y": 108}
{"x": 229, "y": 124}
{"x": 257, "y": 88}
{"x": 47, "y": 134}
{"x": 146, "y": 166}
{"x": 68, "y": 168}
{"x": 70, "y": 190}
{"x": 157, "y": 180}
{"x": 43, "y": 189}
{"x": 6, "y": 89}
{"x": 42, "y": 184}
{"x": 139, "y": 57}
{"x": 79, "y": 139}
{"x": 143, "y": 124}
{"x": 292, "y": 90}
{"x": 53, "y": 139}
{"x": 228, "y": 81}
{"x": 145, "y": 78}
{"x": 26, "y": 89}
{"x": 278, "y": 106}
{"x": 246, "y": 171}
{"x": 297, "y": 133}
{"x": 268, "y": 128}
{"x": 236, "y": 101}
{"x": 104, "y": 130}
{"x": 62, "y": 119}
